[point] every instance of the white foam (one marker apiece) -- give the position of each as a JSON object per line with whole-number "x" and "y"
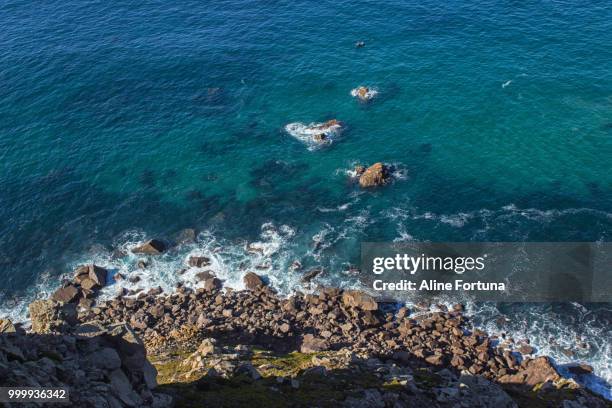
{"x": 307, "y": 133}
{"x": 369, "y": 94}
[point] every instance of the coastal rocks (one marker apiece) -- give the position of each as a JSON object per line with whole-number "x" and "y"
{"x": 151, "y": 247}
{"x": 377, "y": 174}
{"x": 252, "y": 281}
{"x": 364, "y": 94}
{"x": 306, "y": 333}
{"x": 88, "y": 279}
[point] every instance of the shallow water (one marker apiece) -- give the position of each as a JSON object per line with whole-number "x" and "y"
{"x": 119, "y": 123}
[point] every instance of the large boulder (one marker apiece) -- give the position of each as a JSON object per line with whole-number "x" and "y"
{"x": 252, "y": 281}
{"x": 537, "y": 371}
{"x": 359, "y": 300}
{"x": 66, "y": 294}
{"x": 152, "y": 247}
{"x": 377, "y": 174}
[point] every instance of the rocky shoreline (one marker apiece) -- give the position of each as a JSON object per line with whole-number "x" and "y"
{"x": 214, "y": 346}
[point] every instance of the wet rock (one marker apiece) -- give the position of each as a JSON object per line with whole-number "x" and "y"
{"x": 97, "y": 274}
{"x": 580, "y": 369}
{"x": 376, "y": 175}
{"x": 213, "y": 283}
{"x": 152, "y": 247}
{"x": 311, "y": 274}
{"x": 198, "y": 261}
{"x": 252, "y": 281}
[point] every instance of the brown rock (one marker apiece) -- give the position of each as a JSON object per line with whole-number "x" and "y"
{"x": 213, "y": 283}
{"x": 152, "y": 247}
{"x": 88, "y": 284}
{"x": 538, "y": 371}
{"x": 97, "y": 274}
{"x": 198, "y": 261}
{"x": 526, "y": 349}
{"x": 252, "y": 281}
{"x": 66, "y": 294}
{"x": 359, "y": 300}
{"x": 375, "y": 175}
{"x": 6, "y": 326}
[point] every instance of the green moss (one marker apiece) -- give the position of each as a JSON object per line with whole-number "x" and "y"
{"x": 170, "y": 367}
{"x": 285, "y": 365}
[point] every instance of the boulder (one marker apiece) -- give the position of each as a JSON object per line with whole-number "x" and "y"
{"x": 311, "y": 274}
{"x": 312, "y": 344}
{"x": 377, "y": 174}
{"x": 81, "y": 273}
{"x": 66, "y": 294}
{"x": 213, "y": 283}
{"x": 580, "y": 369}
{"x": 537, "y": 371}
{"x": 198, "y": 261}
{"x": 252, "y": 281}
{"x": 6, "y": 326}
{"x": 106, "y": 358}
{"x": 359, "y": 300}
{"x": 97, "y": 274}
{"x": 152, "y": 247}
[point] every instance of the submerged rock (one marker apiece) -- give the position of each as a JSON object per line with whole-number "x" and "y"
{"x": 315, "y": 134}
{"x": 377, "y": 174}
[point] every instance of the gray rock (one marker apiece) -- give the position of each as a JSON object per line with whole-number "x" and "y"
{"x": 122, "y": 389}
{"x": 106, "y": 358}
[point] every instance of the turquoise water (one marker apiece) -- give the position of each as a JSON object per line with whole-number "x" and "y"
{"x": 120, "y": 122}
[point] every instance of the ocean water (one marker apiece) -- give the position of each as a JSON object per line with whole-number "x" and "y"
{"x": 121, "y": 121}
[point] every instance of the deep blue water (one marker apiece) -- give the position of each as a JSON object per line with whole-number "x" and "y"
{"x": 126, "y": 120}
